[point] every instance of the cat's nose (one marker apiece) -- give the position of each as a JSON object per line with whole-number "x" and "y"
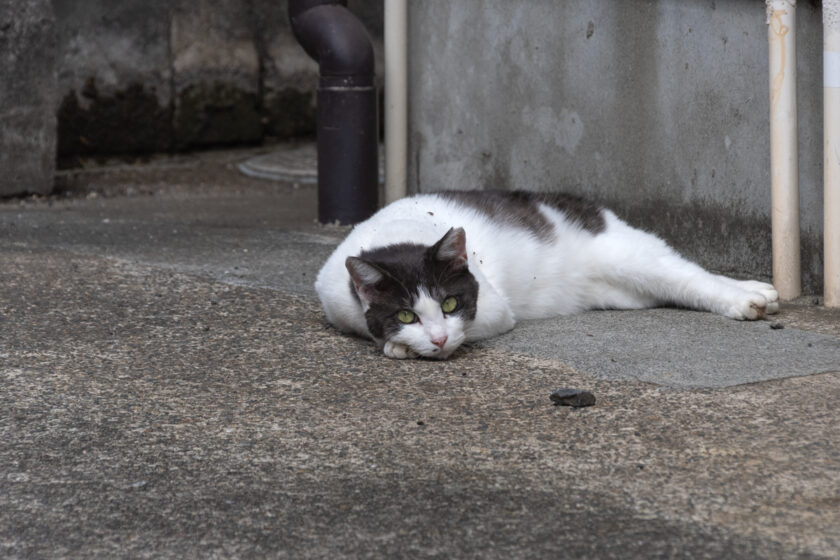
{"x": 439, "y": 341}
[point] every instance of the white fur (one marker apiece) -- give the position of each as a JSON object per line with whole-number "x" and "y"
{"x": 523, "y": 277}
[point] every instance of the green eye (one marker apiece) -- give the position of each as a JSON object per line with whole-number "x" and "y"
{"x": 406, "y": 316}
{"x": 449, "y": 305}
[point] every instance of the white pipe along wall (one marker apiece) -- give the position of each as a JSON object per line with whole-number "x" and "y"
{"x": 781, "y": 20}
{"x": 831, "y": 149}
{"x": 396, "y": 99}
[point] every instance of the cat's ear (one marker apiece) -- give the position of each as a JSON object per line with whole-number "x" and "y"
{"x": 365, "y": 277}
{"x": 452, "y": 248}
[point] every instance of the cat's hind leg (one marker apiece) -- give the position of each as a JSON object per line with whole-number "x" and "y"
{"x": 647, "y": 270}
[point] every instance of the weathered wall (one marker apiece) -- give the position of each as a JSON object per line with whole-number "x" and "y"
{"x": 27, "y": 97}
{"x": 153, "y": 75}
{"x": 114, "y": 76}
{"x": 657, "y": 108}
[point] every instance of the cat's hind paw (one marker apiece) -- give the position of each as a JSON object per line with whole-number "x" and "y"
{"x": 755, "y": 300}
{"x": 767, "y": 290}
{"x": 749, "y": 307}
{"x": 399, "y": 351}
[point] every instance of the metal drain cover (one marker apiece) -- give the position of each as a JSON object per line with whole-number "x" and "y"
{"x": 298, "y": 164}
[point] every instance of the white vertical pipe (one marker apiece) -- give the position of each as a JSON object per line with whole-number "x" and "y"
{"x": 396, "y": 99}
{"x": 781, "y": 19}
{"x": 831, "y": 149}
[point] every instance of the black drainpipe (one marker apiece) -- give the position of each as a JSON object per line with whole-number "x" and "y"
{"x": 348, "y": 170}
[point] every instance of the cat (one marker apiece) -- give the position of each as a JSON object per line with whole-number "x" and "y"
{"x": 427, "y": 273}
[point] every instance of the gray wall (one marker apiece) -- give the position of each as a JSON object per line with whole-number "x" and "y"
{"x": 27, "y": 97}
{"x": 656, "y": 108}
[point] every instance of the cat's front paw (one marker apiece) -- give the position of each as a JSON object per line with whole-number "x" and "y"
{"x": 399, "y": 351}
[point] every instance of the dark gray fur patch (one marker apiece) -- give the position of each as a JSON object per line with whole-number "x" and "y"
{"x": 521, "y": 209}
{"x": 407, "y": 266}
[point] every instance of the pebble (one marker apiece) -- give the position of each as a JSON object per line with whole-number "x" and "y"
{"x": 776, "y": 326}
{"x": 572, "y": 397}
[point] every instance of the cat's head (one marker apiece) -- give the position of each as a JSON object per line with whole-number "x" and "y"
{"x": 418, "y": 295}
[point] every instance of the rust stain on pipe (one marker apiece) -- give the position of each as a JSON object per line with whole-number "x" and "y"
{"x": 779, "y": 30}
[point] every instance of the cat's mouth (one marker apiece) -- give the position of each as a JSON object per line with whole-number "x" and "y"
{"x": 442, "y": 353}
{"x": 439, "y": 354}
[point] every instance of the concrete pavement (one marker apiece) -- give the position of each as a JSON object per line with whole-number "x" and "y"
{"x": 170, "y": 389}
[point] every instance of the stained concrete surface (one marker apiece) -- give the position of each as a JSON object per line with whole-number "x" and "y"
{"x": 158, "y": 401}
{"x": 180, "y": 74}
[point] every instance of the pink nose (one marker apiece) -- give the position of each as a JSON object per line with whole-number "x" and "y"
{"x": 439, "y": 341}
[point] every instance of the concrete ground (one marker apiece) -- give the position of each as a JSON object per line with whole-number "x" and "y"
{"x": 170, "y": 390}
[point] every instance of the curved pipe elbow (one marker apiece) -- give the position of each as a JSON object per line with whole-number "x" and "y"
{"x": 334, "y": 38}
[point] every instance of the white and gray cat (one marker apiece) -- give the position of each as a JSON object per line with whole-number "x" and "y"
{"x": 427, "y": 273}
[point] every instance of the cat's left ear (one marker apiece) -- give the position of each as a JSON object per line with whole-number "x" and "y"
{"x": 366, "y": 276}
{"x": 452, "y": 248}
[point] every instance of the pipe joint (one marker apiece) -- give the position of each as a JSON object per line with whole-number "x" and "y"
{"x": 334, "y": 38}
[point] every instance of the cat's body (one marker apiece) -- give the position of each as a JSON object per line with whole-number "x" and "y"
{"x": 498, "y": 257}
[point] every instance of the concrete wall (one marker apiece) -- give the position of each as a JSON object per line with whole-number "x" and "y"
{"x": 27, "y": 97}
{"x": 656, "y": 108}
{"x": 99, "y": 77}
{"x": 155, "y": 75}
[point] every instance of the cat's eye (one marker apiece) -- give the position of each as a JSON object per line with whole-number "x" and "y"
{"x": 406, "y": 316}
{"x": 449, "y": 305}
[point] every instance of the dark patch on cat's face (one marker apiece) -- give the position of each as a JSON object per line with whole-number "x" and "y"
{"x": 407, "y": 268}
{"x": 521, "y": 209}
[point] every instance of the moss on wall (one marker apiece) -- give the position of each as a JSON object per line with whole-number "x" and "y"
{"x": 132, "y": 120}
{"x": 214, "y": 114}
{"x": 289, "y": 113}
{"x": 129, "y": 120}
